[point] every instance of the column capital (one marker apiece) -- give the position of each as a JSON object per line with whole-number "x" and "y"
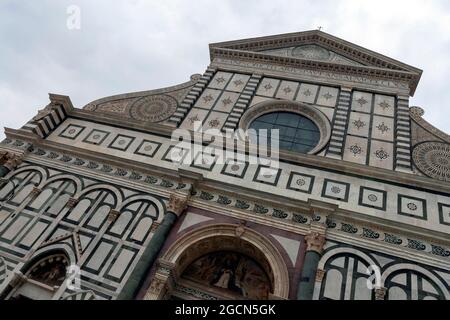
{"x": 113, "y": 215}
{"x": 315, "y": 242}
{"x": 3, "y": 181}
{"x": 380, "y": 293}
{"x": 12, "y": 160}
{"x": 72, "y": 202}
{"x": 18, "y": 279}
{"x": 35, "y": 192}
{"x": 178, "y": 202}
{"x": 155, "y": 226}
{"x": 320, "y": 274}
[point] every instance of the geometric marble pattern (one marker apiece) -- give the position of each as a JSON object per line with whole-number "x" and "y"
{"x": 381, "y": 154}
{"x": 373, "y": 198}
{"x": 72, "y": 131}
{"x": 267, "y": 175}
{"x": 384, "y": 105}
{"x": 204, "y": 161}
{"x": 121, "y": 142}
{"x": 238, "y": 83}
{"x": 412, "y": 207}
{"x": 444, "y": 214}
{"x": 336, "y": 190}
{"x": 383, "y": 128}
{"x": 268, "y": 87}
{"x": 307, "y": 93}
{"x": 96, "y": 137}
{"x": 362, "y": 102}
{"x": 355, "y": 150}
{"x": 359, "y": 124}
{"x": 301, "y": 182}
{"x": 220, "y": 80}
{"x": 148, "y": 148}
{"x": 327, "y": 97}
{"x": 235, "y": 168}
{"x": 287, "y": 90}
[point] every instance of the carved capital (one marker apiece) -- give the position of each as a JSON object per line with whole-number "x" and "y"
{"x": 315, "y": 242}
{"x": 18, "y": 279}
{"x": 35, "y": 192}
{"x": 320, "y": 274}
{"x": 156, "y": 290}
{"x": 113, "y": 215}
{"x": 12, "y": 161}
{"x": 3, "y": 181}
{"x": 72, "y": 203}
{"x": 380, "y": 293}
{"x": 177, "y": 203}
{"x": 155, "y": 226}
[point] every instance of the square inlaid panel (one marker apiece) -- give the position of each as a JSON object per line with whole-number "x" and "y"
{"x": 226, "y": 102}
{"x": 384, "y": 105}
{"x": 220, "y": 80}
{"x": 96, "y": 137}
{"x": 204, "y": 161}
{"x": 412, "y": 207}
{"x": 121, "y": 142}
{"x": 373, "y": 198}
{"x": 267, "y": 175}
{"x": 235, "y": 168}
{"x": 300, "y": 182}
{"x": 148, "y": 148}
{"x": 72, "y": 131}
{"x": 444, "y": 214}
{"x": 175, "y": 155}
{"x": 238, "y": 83}
{"x": 327, "y": 97}
{"x": 268, "y": 87}
{"x": 362, "y": 102}
{"x": 307, "y": 93}
{"x": 336, "y": 190}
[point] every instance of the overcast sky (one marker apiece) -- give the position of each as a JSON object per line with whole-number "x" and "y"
{"x": 125, "y": 46}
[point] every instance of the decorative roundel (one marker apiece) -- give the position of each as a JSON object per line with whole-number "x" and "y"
{"x": 433, "y": 159}
{"x": 154, "y": 108}
{"x": 417, "y": 111}
{"x": 311, "y": 52}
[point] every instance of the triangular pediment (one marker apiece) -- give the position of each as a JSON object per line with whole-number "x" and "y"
{"x": 317, "y": 49}
{"x": 311, "y": 52}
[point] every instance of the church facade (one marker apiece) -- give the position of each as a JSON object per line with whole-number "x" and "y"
{"x": 104, "y": 202}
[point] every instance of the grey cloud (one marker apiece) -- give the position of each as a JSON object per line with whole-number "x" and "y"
{"x": 138, "y": 45}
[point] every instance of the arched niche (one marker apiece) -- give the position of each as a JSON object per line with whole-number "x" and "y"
{"x": 225, "y": 238}
{"x": 41, "y": 277}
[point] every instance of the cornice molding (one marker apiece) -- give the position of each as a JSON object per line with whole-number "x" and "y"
{"x": 317, "y": 162}
{"x": 376, "y": 65}
{"x": 190, "y": 83}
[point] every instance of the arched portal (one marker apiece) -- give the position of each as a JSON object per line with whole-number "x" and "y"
{"x": 41, "y": 278}
{"x": 221, "y": 262}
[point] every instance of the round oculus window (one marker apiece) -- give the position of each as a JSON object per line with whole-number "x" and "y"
{"x": 296, "y": 133}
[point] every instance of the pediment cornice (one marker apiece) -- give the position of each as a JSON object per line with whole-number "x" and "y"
{"x": 372, "y": 64}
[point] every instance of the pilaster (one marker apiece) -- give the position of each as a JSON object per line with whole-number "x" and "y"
{"x": 403, "y": 136}
{"x": 336, "y": 147}
{"x": 243, "y": 103}
{"x": 192, "y": 96}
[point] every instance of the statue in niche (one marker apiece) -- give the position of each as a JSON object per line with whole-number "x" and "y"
{"x": 231, "y": 272}
{"x": 51, "y": 272}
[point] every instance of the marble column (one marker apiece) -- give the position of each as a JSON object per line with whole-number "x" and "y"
{"x": 315, "y": 242}
{"x": 177, "y": 205}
